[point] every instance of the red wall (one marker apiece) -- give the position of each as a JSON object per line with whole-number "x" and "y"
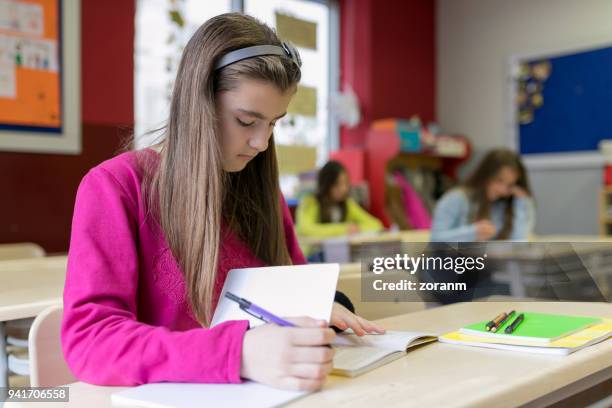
{"x": 388, "y": 57}
{"x": 108, "y": 61}
{"x": 38, "y": 189}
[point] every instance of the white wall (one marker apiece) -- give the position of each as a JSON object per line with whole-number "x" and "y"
{"x": 475, "y": 39}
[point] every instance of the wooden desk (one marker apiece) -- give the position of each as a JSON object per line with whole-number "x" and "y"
{"x": 532, "y": 264}
{"x": 348, "y": 246}
{"x": 369, "y": 237}
{"x": 424, "y": 236}
{"x": 448, "y": 375}
{"x": 27, "y": 287}
{"x": 570, "y": 238}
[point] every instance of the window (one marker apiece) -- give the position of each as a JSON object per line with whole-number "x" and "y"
{"x": 159, "y": 42}
{"x": 305, "y": 128}
{"x": 160, "y": 39}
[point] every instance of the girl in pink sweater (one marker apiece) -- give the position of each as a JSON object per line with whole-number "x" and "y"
{"x": 155, "y": 231}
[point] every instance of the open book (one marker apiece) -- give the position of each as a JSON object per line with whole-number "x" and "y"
{"x": 357, "y": 355}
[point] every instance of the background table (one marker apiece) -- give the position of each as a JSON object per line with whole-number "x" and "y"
{"x": 27, "y": 287}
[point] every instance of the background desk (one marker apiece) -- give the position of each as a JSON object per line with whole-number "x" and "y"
{"x": 370, "y": 237}
{"x": 584, "y": 265}
{"x": 354, "y": 242}
{"x": 447, "y": 375}
{"x": 345, "y": 249}
{"x": 27, "y": 287}
{"x": 349, "y": 283}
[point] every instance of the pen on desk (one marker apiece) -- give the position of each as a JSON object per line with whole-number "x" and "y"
{"x": 257, "y": 311}
{"x": 494, "y": 321}
{"x": 510, "y": 329}
{"x": 501, "y": 323}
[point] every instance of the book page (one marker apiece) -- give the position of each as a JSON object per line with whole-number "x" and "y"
{"x": 354, "y": 358}
{"x": 391, "y": 340}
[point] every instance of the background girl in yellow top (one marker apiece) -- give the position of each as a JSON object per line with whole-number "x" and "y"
{"x": 330, "y": 211}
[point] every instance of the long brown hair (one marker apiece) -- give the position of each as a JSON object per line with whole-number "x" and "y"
{"x": 476, "y": 186}
{"x": 190, "y": 194}
{"x": 326, "y": 179}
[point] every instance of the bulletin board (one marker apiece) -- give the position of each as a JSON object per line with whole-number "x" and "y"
{"x": 39, "y": 76}
{"x": 560, "y": 104}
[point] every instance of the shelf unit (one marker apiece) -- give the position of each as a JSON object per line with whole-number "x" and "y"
{"x": 381, "y": 153}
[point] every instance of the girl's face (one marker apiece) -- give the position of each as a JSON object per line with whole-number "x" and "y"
{"x": 502, "y": 184}
{"x": 247, "y": 115}
{"x": 340, "y": 190}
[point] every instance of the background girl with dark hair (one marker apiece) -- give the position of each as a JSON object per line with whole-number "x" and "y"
{"x": 330, "y": 211}
{"x": 495, "y": 203}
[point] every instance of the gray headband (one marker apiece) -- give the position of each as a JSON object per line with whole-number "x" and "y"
{"x": 285, "y": 50}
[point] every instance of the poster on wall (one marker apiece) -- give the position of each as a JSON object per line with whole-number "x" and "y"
{"x": 39, "y": 76}
{"x": 561, "y": 103}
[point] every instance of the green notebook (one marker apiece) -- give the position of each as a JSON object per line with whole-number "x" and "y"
{"x": 535, "y": 327}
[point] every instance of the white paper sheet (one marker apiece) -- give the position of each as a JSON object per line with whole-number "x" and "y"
{"x": 286, "y": 291}
{"x": 179, "y": 395}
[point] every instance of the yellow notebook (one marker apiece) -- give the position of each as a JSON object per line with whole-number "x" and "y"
{"x": 357, "y": 355}
{"x": 563, "y": 346}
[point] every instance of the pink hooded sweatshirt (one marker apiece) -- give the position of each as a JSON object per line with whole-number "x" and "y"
{"x": 127, "y": 320}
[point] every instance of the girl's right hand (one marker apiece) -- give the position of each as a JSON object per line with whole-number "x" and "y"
{"x": 485, "y": 230}
{"x": 518, "y": 192}
{"x": 289, "y": 357}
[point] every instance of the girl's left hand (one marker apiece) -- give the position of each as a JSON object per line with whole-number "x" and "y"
{"x": 343, "y": 319}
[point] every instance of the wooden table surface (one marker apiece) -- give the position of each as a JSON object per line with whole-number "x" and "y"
{"x": 448, "y": 375}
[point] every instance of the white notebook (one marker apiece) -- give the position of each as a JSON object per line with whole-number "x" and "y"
{"x": 300, "y": 290}
{"x": 357, "y": 355}
{"x": 179, "y": 395}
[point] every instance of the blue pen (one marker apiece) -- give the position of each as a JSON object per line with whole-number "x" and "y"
{"x": 258, "y": 312}
{"x": 262, "y": 314}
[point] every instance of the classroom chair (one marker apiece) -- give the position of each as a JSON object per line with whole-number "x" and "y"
{"x": 47, "y": 365}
